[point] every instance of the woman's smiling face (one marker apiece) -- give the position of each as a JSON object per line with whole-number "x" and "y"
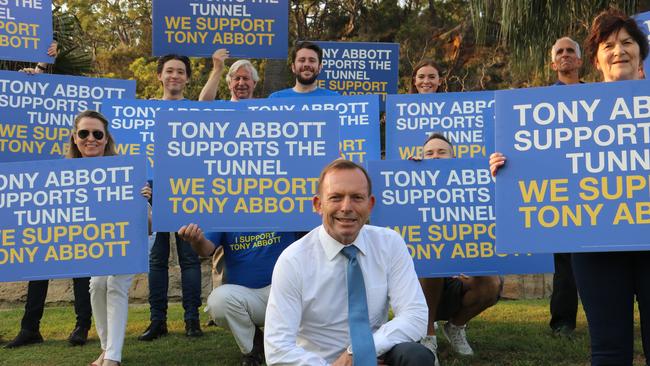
{"x": 618, "y": 57}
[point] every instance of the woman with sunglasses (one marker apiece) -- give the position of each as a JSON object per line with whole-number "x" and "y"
{"x": 608, "y": 282}
{"x": 109, "y": 295}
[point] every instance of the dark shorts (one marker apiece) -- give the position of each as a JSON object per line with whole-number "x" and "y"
{"x": 451, "y": 299}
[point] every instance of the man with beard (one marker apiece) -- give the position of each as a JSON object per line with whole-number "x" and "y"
{"x": 306, "y": 64}
{"x": 566, "y": 60}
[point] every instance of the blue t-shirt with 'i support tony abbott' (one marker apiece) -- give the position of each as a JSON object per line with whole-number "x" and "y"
{"x": 251, "y": 256}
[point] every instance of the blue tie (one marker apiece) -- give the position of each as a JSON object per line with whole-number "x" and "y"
{"x": 363, "y": 345}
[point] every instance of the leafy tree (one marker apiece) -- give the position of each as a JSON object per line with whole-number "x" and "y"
{"x": 528, "y": 28}
{"x": 74, "y": 57}
{"x": 111, "y": 24}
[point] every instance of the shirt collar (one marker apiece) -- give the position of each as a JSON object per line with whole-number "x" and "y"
{"x": 333, "y": 247}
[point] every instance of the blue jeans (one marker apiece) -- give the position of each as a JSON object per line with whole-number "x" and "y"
{"x": 159, "y": 277}
{"x": 608, "y": 284}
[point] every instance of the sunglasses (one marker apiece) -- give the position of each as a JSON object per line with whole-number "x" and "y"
{"x": 83, "y": 134}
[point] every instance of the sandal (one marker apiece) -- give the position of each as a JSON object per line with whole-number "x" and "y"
{"x": 100, "y": 363}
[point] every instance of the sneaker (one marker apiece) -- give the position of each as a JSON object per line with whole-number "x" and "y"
{"x": 431, "y": 343}
{"x": 457, "y": 339}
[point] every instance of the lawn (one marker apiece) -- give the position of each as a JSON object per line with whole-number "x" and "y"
{"x": 511, "y": 333}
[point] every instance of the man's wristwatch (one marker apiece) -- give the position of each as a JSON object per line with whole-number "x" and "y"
{"x": 41, "y": 67}
{"x": 349, "y": 350}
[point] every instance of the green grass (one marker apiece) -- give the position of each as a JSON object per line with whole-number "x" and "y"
{"x": 511, "y": 333}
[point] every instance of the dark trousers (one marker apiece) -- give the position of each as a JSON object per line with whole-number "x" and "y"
{"x": 409, "y": 354}
{"x": 159, "y": 277}
{"x": 36, "y": 294}
{"x": 608, "y": 283}
{"x": 564, "y": 298}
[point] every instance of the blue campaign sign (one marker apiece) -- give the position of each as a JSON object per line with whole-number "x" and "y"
{"x": 467, "y": 119}
{"x": 352, "y": 68}
{"x": 132, "y": 122}
{"x": 246, "y": 28}
{"x": 38, "y": 111}
{"x": 359, "y": 136}
{"x": 444, "y": 210}
{"x": 26, "y": 30}
{"x": 576, "y": 179}
{"x": 643, "y": 20}
{"x": 72, "y": 218}
{"x": 240, "y": 171}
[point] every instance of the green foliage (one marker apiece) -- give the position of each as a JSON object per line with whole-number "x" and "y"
{"x": 144, "y": 71}
{"x": 74, "y": 56}
{"x": 528, "y": 28}
{"x": 479, "y": 44}
{"x": 109, "y": 23}
{"x": 216, "y": 347}
{"x": 115, "y": 32}
{"x": 149, "y": 87}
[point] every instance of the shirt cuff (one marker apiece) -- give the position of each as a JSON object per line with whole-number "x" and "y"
{"x": 382, "y": 344}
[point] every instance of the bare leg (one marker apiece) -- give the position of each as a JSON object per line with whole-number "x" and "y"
{"x": 481, "y": 292}
{"x": 432, "y": 288}
{"x": 99, "y": 360}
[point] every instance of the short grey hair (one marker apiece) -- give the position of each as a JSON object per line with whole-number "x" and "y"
{"x": 575, "y": 44}
{"x": 238, "y": 65}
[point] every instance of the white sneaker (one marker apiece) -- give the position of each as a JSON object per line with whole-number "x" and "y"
{"x": 457, "y": 339}
{"x": 431, "y": 343}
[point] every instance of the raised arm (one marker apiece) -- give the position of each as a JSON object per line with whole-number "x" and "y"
{"x": 209, "y": 91}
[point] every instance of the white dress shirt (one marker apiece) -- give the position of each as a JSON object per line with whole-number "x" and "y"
{"x": 307, "y": 314}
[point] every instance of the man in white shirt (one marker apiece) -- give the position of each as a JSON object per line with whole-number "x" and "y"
{"x": 307, "y": 320}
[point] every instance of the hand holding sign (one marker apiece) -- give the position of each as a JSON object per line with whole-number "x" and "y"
{"x": 497, "y": 160}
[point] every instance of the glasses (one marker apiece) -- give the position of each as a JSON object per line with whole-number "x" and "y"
{"x": 83, "y": 134}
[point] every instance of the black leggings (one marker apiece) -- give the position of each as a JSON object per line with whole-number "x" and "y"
{"x": 608, "y": 283}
